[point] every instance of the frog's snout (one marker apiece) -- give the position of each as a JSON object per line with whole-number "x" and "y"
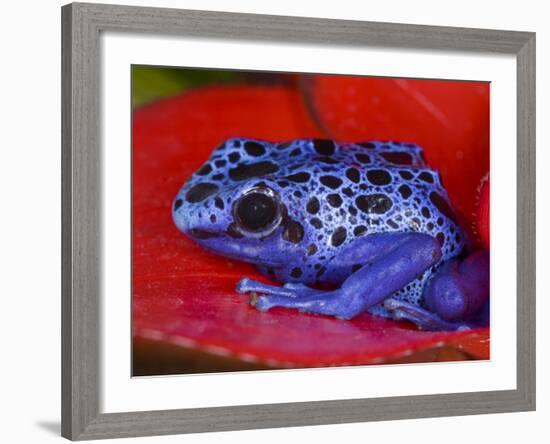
{"x": 179, "y": 215}
{"x": 188, "y": 219}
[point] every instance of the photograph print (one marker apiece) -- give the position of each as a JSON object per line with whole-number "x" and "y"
{"x": 288, "y": 220}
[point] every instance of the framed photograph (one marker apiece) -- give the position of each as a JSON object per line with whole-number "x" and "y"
{"x": 278, "y": 221}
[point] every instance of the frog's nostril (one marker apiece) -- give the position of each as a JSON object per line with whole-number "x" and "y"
{"x": 177, "y": 204}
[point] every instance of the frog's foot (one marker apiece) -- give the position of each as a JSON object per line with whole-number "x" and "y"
{"x": 298, "y": 296}
{"x": 290, "y": 290}
{"x": 424, "y": 319}
{"x": 331, "y": 303}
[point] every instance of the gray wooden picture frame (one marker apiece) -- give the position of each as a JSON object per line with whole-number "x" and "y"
{"x": 81, "y": 171}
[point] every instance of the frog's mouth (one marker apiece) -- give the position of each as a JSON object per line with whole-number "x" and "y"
{"x": 234, "y": 245}
{"x": 198, "y": 233}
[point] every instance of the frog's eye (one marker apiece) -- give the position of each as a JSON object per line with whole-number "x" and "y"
{"x": 257, "y": 212}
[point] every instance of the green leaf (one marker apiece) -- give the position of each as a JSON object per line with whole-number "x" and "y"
{"x": 150, "y": 83}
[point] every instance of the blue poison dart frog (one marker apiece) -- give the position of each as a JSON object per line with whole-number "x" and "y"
{"x": 370, "y": 219}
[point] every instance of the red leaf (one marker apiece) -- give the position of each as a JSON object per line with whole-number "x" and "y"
{"x": 449, "y": 119}
{"x": 185, "y": 296}
{"x": 205, "y": 312}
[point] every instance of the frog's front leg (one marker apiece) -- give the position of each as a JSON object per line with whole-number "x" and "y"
{"x": 389, "y": 262}
{"x": 454, "y": 297}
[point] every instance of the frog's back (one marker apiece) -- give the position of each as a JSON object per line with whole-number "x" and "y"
{"x": 374, "y": 187}
{"x": 342, "y": 191}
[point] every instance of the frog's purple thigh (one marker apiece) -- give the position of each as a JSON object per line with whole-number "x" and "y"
{"x": 453, "y": 296}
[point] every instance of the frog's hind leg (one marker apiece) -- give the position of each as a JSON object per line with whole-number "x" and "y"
{"x": 390, "y": 262}
{"x": 424, "y": 319}
{"x": 454, "y": 297}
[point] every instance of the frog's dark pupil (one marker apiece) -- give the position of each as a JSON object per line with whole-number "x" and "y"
{"x": 256, "y": 211}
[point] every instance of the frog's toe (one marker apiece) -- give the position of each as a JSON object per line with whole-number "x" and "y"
{"x": 299, "y": 290}
{"x": 247, "y": 285}
{"x": 295, "y": 286}
{"x": 261, "y": 303}
{"x": 243, "y": 285}
{"x": 265, "y": 302}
